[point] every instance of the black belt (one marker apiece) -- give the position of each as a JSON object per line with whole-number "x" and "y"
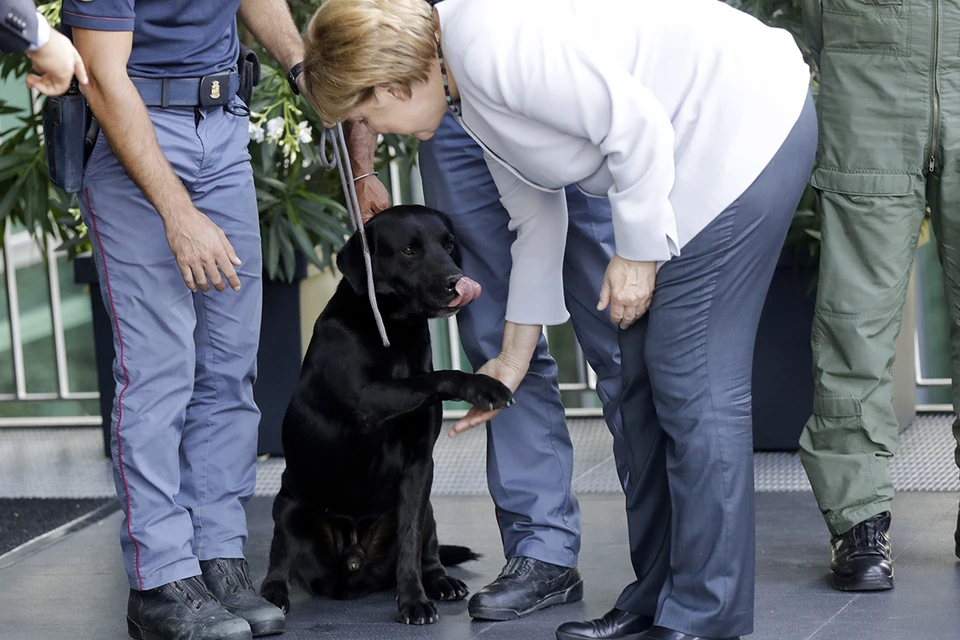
{"x": 211, "y": 90}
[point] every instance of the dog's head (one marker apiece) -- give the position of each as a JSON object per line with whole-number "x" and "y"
{"x": 416, "y": 264}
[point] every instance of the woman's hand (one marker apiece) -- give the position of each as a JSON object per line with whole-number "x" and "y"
{"x": 627, "y": 289}
{"x": 510, "y": 374}
{"x": 510, "y": 367}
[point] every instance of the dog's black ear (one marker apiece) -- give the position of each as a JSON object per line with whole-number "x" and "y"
{"x": 351, "y": 265}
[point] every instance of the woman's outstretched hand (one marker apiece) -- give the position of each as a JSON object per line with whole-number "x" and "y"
{"x": 509, "y": 373}
{"x": 627, "y": 289}
{"x": 510, "y": 367}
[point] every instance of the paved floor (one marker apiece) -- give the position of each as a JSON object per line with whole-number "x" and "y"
{"x": 76, "y": 588}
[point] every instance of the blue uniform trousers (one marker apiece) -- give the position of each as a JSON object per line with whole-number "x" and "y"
{"x": 184, "y": 419}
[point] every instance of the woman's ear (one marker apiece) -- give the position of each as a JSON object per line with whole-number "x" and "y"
{"x": 393, "y": 92}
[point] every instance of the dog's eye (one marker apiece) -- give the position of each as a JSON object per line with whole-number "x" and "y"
{"x": 409, "y": 251}
{"x": 450, "y": 245}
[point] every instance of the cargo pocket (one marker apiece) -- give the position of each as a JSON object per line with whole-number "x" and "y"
{"x": 839, "y": 422}
{"x": 876, "y": 27}
{"x": 862, "y": 184}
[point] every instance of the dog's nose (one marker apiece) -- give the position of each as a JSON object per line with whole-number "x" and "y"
{"x": 453, "y": 280}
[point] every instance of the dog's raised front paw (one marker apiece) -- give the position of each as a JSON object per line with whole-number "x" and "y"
{"x": 488, "y": 393}
{"x": 444, "y": 587}
{"x": 418, "y": 612}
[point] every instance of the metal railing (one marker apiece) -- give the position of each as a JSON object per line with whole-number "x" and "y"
{"x": 28, "y": 249}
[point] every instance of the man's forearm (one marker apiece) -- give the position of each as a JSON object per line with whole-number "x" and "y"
{"x": 127, "y": 126}
{"x": 362, "y": 146}
{"x": 272, "y": 25}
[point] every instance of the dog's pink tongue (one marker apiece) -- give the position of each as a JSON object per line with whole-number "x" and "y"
{"x": 467, "y": 291}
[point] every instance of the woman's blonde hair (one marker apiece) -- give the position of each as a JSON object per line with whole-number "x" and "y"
{"x": 353, "y": 46}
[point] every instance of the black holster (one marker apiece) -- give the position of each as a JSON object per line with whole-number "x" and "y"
{"x": 248, "y": 66}
{"x": 70, "y": 132}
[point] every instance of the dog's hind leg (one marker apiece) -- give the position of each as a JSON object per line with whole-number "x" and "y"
{"x": 283, "y": 551}
{"x": 437, "y": 584}
{"x": 412, "y": 601}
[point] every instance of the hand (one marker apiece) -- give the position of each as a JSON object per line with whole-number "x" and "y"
{"x": 372, "y": 196}
{"x": 511, "y": 374}
{"x": 628, "y": 289}
{"x": 56, "y": 63}
{"x": 200, "y": 248}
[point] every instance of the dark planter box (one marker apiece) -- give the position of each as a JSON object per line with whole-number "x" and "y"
{"x": 278, "y": 360}
{"x": 783, "y": 360}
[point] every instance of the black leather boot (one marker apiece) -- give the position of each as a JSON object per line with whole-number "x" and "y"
{"x": 860, "y": 558}
{"x": 182, "y": 610}
{"x": 526, "y": 585}
{"x": 614, "y": 625}
{"x": 229, "y": 581}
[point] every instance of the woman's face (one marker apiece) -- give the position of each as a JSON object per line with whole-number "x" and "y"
{"x": 388, "y": 110}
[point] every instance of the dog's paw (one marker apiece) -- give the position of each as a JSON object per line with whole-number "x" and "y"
{"x": 444, "y": 587}
{"x": 488, "y": 393}
{"x": 277, "y": 594}
{"x": 418, "y": 612}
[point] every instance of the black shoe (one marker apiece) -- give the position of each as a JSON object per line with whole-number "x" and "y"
{"x": 614, "y": 625}
{"x": 526, "y": 585}
{"x": 182, "y": 610}
{"x": 229, "y": 581}
{"x": 662, "y": 633}
{"x": 860, "y": 558}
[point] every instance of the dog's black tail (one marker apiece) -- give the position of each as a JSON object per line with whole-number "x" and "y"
{"x": 451, "y": 555}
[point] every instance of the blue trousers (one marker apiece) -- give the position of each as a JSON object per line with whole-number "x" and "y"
{"x": 529, "y": 453}
{"x": 184, "y": 420}
{"x": 687, "y": 370}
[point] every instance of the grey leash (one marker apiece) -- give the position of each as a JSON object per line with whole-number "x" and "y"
{"x": 342, "y": 162}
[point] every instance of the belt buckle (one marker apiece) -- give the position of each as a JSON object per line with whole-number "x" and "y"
{"x": 215, "y": 89}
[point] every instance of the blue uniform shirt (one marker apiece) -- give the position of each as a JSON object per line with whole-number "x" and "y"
{"x": 171, "y": 38}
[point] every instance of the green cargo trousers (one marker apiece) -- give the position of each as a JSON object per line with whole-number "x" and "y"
{"x": 889, "y": 109}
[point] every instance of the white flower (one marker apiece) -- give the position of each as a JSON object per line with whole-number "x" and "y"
{"x": 256, "y": 132}
{"x": 304, "y": 134}
{"x": 306, "y": 163}
{"x": 274, "y": 128}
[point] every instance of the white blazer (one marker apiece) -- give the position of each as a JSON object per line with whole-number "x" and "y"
{"x": 670, "y": 108}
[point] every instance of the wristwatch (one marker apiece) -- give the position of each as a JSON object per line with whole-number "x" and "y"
{"x": 292, "y": 75}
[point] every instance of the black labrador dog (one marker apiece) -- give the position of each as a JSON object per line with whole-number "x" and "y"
{"x": 353, "y": 514}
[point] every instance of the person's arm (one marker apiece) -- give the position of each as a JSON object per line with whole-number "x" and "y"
{"x": 539, "y": 219}
{"x": 362, "y": 146}
{"x": 272, "y": 25}
{"x": 198, "y": 245}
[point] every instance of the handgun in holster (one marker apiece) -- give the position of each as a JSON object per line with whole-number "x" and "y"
{"x": 70, "y": 131}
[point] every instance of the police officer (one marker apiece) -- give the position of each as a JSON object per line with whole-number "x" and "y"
{"x": 529, "y": 451}
{"x": 169, "y": 199}
{"x": 24, "y": 29}
{"x": 889, "y": 145}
